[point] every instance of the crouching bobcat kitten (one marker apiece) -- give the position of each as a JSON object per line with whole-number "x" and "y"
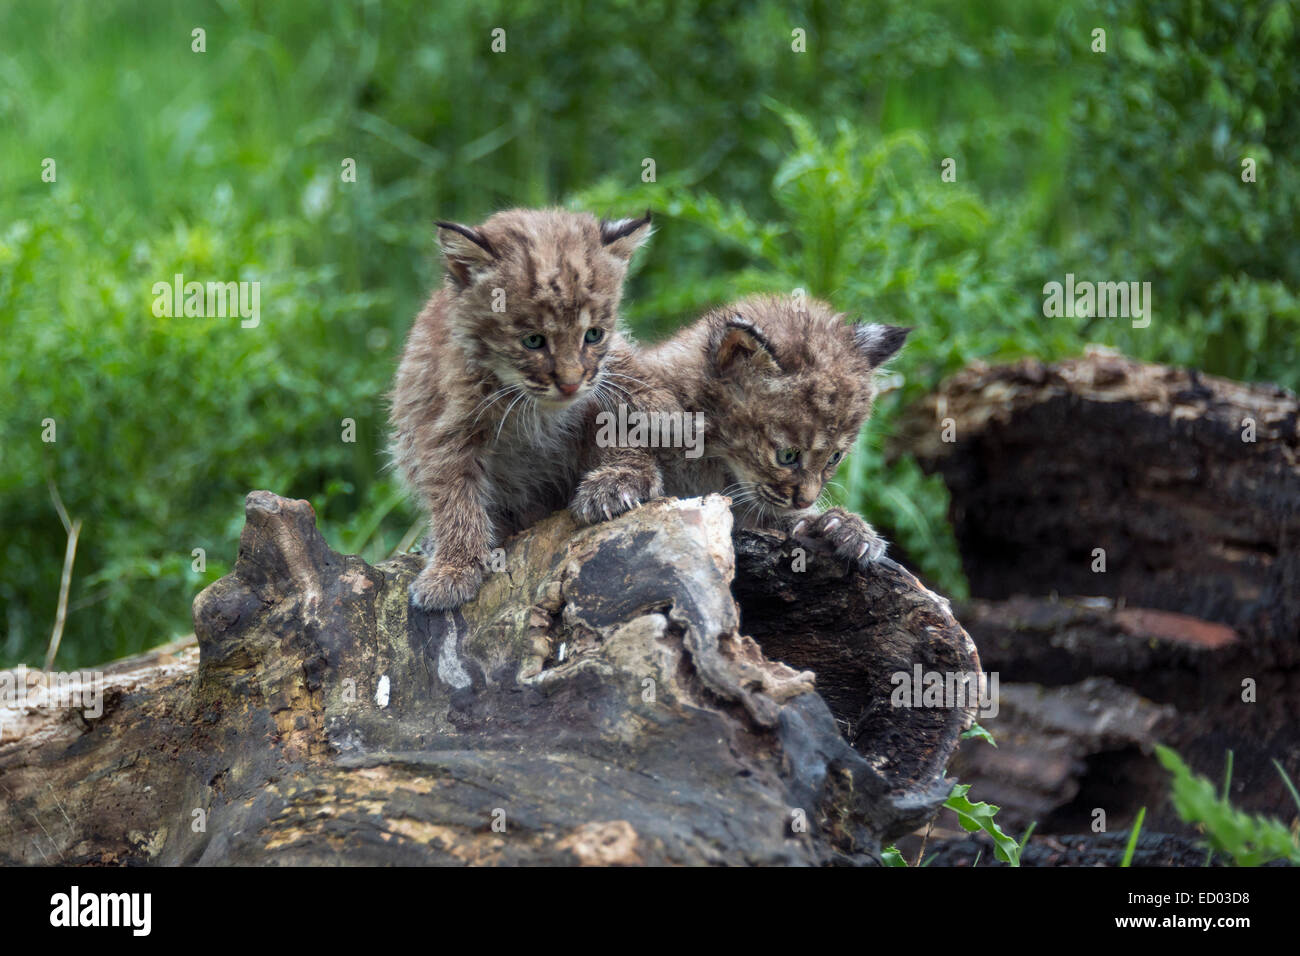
{"x": 500, "y": 375}
{"x": 785, "y": 387}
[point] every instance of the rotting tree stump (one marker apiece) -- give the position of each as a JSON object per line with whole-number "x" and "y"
{"x": 1190, "y": 486}
{"x": 596, "y": 704}
{"x": 1089, "y": 687}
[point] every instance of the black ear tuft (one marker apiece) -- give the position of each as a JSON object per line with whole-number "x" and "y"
{"x": 614, "y": 229}
{"x": 744, "y": 342}
{"x": 622, "y": 236}
{"x": 465, "y": 250}
{"x": 879, "y": 342}
{"x": 473, "y": 235}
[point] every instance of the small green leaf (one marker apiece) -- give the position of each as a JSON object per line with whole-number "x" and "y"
{"x": 890, "y": 856}
{"x": 975, "y": 817}
{"x": 977, "y": 731}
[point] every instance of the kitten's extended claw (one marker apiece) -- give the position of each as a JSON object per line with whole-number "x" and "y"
{"x": 441, "y": 587}
{"x": 612, "y": 490}
{"x": 847, "y": 536}
{"x": 798, "y": 528}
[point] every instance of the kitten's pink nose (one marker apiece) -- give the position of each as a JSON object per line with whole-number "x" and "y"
{"x": 566, "y": 388}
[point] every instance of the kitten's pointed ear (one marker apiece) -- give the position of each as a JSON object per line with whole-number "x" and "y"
{"x": 622, "y": 237}
{"x": 743, "y": 345}
{"x": 879, "y": 342}
{"x": 466, "y": 251}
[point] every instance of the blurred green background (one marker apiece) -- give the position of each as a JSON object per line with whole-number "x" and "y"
{"x": 773, "y": 170}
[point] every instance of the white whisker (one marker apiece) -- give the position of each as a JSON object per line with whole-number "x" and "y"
{"x": 510, "y": 408}
{"x": 488, "y": 402}
{"x": 630, "y": 378}
{"x": 626, "y": 395}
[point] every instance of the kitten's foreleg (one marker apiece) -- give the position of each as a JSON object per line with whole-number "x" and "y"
{"x": 846, "y": 534}
{"x": 455, "y": 494}
{"x": 622, "y": 479}
{"x": 619, "y": 478}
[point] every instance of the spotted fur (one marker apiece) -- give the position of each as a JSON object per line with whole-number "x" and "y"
{"x": 499, "y": 381}
{"x": 771, "y": 374}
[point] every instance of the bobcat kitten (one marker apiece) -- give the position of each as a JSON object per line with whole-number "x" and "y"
{"x": 498, "y": 380}
{"x": 785, "y": 387}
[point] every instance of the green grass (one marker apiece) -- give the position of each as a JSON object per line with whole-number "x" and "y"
{"x": 774, "y": 170}
{"x": 1131, "y": 846}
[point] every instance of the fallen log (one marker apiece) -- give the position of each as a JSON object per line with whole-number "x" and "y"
{"x": 1105, "y": 476}
{"x": 1065, "y": 753}
{"x": 596, "y": 704}
{"x": 1132, "y": 529}
{"x": 1157, "y": 677}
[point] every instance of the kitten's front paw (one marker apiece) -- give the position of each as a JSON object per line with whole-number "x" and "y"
{"x": 611, "y": 490}
{"x": 441, "y": 587}
{"x": 847, "y": 535}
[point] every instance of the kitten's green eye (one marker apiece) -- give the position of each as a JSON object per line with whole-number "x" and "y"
{"x": 787, "y": 456}
{"x": 836, "y": 458}
{"x": 593, "y": 335}
{"x": 533, "y": 341}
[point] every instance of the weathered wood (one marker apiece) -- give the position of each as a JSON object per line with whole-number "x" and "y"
{"x": 1151, "y": 464}
{"x": 1190, "y": 487}
{"x": 1065, "y": 752}
{"x": 856, "y": 639}
{"x": 597, "y": 703}
{"x": 1149, "y": 676}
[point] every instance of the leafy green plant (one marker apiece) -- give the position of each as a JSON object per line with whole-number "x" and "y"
{"x": 1166, "y": 195}
{"x": 1245, "y": 838}
{"x": 973, "y": 818}
{"x": 977, "y": 817}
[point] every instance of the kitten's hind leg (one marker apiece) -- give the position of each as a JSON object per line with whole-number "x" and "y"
{"x": 442, "y": 586}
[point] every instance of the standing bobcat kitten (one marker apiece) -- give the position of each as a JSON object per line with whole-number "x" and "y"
{"x": 499, "y": 378}
{"x": 785, "y": 387}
